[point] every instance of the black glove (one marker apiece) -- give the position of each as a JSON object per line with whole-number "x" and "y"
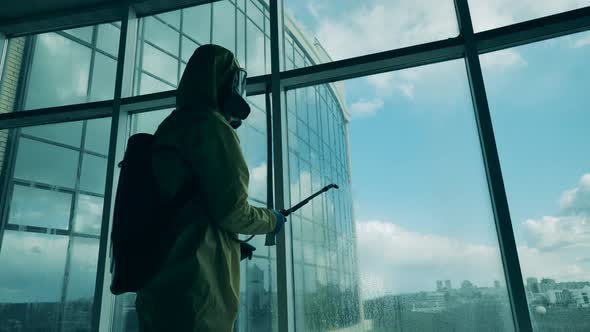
{"x": 246, "y": 250}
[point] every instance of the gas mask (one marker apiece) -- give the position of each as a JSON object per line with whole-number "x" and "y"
{"x": 235, "y": 107}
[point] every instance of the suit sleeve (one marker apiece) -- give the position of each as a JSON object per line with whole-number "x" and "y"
{"x": 222, "y": 174}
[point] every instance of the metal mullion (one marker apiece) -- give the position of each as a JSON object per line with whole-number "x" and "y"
{"x": 92, "y": 60}
{"x": 181, "y": 15}
{"x": 37, "y": 229}
{"x": 73, "y": 208}
{"x": 56, "y": 114}
{"x": 44, "y": 186}
{"x": 505, "y": 232}
{"x": 284, "y": 258}
{"x": 534, "y": 30}
{"x": 102, "y": 309}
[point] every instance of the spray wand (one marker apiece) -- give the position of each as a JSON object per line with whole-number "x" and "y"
{"x": 270, "y": 238}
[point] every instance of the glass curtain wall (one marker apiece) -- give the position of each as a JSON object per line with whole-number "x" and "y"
{"x": 53, "y": 179}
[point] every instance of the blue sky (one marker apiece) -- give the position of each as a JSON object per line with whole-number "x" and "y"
{"x": 418, "y": 180}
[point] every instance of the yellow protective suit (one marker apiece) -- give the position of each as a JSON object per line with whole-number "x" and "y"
{"x": 198, "y": 286}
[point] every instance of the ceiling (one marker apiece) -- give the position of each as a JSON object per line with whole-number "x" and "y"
{"x": 21, "y": 17}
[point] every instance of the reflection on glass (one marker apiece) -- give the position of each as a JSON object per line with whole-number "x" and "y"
{"x": 93, "y": 176}
{"x": 149, "y": 84}
{"x": 88, "y": 215}
{"x": 62, "y": 62}
{"x": 254, "y": 50}
{"x": 188, "y": 48}
{"x": 108, "y": 38}
{"x": 374, "y": 26}
{"x": 172, "y": 18}
{"x": 69, "y": 133}
{"x": 224, "y": 33}
{"x": 79, "y": 297}
{"x": 40, "y": 207}
{"x": 36, "y": 263}
{"x": 161, "y": 34}
{"x": 98, "y": 135}
{"x": 160, "y": 64}
{"x": 148, "y": 122}
{"x": 196, "y": 23}
{"x": 59, "y": 164}
{"x": 490, "y": 14}
{"x": 103, "y": 77}
{"x": 84, "y": 33}
{"x": 542, "y": 135}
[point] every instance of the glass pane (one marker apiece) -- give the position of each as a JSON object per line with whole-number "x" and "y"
{"x": 160, "y": 64}
{"x": 40, "y": 207}
{"x": 80, "y": 285}
{"x": 172, "y": 18}
{"x": 94, "y": 170}
{"x": 196, "y": 23}
{"x": 108, "y": 38}
{"x": 46, "y": 163}
{"x": 254, "y": 50}
{"x": 98, "y": 133}
{"x": 148, "y": 122}
{"x": 103, "y": 78}
{"x": 64, "y": 63}
{"x": 490, "y": 14}
{"x": 188, "y": 48}
{"x": 422, "y": 217}
{"x": 340, "y": 29}
{"x": 84, "y": 33}
{"x": 161, "y": 35}
{"x": 224, "y": 31}
{"x": 36, "y": 263}
{"x": 542, "y": 135}
{"x": 149, "y": 84}
{"x": 69, "y": 133}
{"x": 88, "y": 215}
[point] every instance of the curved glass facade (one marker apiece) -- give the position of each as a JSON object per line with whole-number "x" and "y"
{"x": 85, "y": 71}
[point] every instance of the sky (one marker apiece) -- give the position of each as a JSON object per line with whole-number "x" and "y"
{"x": 421, "y": 202}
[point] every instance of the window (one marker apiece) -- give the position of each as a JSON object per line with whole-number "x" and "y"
{"x": 335, "y": 30}
{"x": 490, "y": 14}
{"x": 540, "y": 113}
{"x": 50, "y": 240}
{"x": 80, "y": 67}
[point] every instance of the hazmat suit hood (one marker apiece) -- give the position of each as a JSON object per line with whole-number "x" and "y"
{"x": 204, "y": 80}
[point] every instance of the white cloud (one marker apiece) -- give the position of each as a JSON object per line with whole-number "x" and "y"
{"x": 258, "y": 181}
{"x": 365, "y": 108}
{"x": 502, "y": 59}
{"x": 551, "y": 233}
{"x": 381, "y": 25}
{"x": 387, "y": 84}
{"x": 582, "y": 42}
{"x": 577, "y": 200}
{"x": 393, "y": 259}
{"x": 313, "y": 7}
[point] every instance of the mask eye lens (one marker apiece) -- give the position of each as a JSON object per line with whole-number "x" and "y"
{"x": 240, "y": 82}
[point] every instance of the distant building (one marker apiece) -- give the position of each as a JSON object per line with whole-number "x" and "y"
{"x": 439, "y": 285}
{"x": 497, "y": 284}
{"x": 532, "y": 284}
{"x": 575, "y": 297}
{"x": 547, "y": 284}
{"x": 448, "y": 284}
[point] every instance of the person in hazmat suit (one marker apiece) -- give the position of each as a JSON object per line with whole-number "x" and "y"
{"x": 197, "y": 286}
